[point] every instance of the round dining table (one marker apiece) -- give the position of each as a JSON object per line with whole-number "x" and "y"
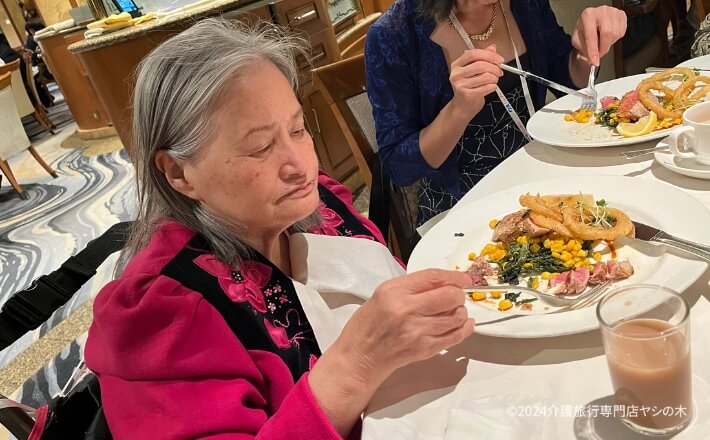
{"x": 539, "y": 388}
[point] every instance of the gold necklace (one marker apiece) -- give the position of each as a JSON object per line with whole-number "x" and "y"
{"x": 487, "y": 34}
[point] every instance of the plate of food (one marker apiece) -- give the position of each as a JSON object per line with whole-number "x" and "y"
{"x": 561, "y": 236}
{"x": 630, "y": 110}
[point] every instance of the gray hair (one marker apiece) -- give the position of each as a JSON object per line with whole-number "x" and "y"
{"x": 177, "y": 91}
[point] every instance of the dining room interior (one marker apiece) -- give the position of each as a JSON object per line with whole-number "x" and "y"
{"x": 68, "y": 173}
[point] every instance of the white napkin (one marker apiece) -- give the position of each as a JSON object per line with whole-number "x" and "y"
{"x": 495, "y": 417}
{"x": 333, "y": 275}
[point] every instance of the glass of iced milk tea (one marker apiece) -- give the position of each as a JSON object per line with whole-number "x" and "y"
{"x": 646, "y": 333}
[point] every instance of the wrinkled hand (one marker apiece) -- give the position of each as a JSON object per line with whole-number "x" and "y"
{"x": 409, "y": 318}
{"x": 597, "y": 30}
{"x": 474, "y": 75}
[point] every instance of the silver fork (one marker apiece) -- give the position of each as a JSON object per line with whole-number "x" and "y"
{"x": 590, "y": 102}
{"x": 645, "y": 151}
{"x": 554, "y": 300}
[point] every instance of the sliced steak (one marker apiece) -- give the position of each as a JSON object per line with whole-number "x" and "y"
{"x": 598, "y": 273}
{"x": 558, "y": 283}
{"x": 618, "y": 270}
{"x": 478, "y": 269}
{"x": 577, "y": 281}
{"x": 631, "y": 107}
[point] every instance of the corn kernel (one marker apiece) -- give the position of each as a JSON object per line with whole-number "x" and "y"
{"x": 523, "y": 239}
{"x": 597, "y": 256}
{"x": 568, "y": 263}
{"x": 566, "y": 256}
{"x": 478, "y": 296}
{"x": 557, "y": 255}
{"x": 527, "y": 265}
{"x": 505, "y": 305}
{"x": 535, "y": 248}
{"x": 569, "y": 118}
{"x": 493, "y": 223}
{"x": 496, "y": 294}
{"x": 570, "y": 245}
{"x": 546, "y": 275}
{"x": 535, "y": 283}
{"x": 579, "y": 264}
{"x": 472, "y": 256}
{"x": 577, "y": 247}
{"x": 547, "y": 243}
{"x": 581, "y": 253}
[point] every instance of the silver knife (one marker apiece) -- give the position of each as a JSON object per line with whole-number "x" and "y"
{"x": 544, "y": 81}
{"x": 649, "y": 233}
{"x": 661, "y": 69}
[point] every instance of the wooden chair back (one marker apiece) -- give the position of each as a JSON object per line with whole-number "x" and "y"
{"x": 343, "y": 87}
{"x": 352, "y": 41}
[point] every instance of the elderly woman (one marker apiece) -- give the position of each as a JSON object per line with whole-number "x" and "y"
{"x": 204, "y": 334}
{"x": 437, "y": 117}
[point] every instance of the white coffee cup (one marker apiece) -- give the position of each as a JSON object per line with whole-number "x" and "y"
{"x": 694, "y": 134}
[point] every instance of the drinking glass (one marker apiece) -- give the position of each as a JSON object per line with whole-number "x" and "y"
{"x": 646, "y": 334}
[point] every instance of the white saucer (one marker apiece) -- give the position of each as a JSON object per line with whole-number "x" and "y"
{"x": 686, "y": 167}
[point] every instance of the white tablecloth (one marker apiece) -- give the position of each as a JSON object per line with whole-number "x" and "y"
{"x": 484, "y": 387}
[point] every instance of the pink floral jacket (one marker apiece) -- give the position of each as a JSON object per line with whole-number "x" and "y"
{"x": 186, "y": 347}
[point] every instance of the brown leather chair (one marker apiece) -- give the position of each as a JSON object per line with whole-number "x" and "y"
{"x": 392, "y": 209}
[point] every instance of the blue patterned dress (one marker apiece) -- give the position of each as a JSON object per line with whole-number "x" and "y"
{"x": 408, "y": 85}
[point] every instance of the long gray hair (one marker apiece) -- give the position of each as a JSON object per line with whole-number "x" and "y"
{"x": 177, "y": 91}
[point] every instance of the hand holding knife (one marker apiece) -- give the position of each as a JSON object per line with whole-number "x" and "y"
{"x": 543, "y": 81}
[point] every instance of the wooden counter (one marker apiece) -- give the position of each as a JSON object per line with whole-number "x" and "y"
{"x": 73, "y": 81}
{"x": 111, "y": 59}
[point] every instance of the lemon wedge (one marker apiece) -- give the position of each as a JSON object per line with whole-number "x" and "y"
{"x": 643, "y": 126}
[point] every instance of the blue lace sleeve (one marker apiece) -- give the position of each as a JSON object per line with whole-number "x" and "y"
{"x": 392, "y": 89}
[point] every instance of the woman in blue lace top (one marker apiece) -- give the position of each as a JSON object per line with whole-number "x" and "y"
{"x": 437, "y": 116}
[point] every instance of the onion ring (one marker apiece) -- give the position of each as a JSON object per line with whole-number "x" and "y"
{"x": 651, "y": 103}
{"x": 580, "y": 230}
{"x": 667, "y": 74}
{"x": 685, "y": 89}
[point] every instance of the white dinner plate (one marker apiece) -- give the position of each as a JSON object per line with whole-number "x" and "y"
{"x": 680, "y": 165}
{"x": 702, "y": 62}
{"x": 548, "y": 125}
{"x": 654, "y": 203}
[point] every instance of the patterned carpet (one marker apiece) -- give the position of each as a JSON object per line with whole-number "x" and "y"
{"x": 92, "y": 192}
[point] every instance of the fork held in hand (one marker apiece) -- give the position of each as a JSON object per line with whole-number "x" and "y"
{"x": 590, "y": 103}
{"x": 578, "y": 301}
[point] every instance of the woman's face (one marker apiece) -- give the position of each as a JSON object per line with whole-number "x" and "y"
{"x": 261, "y": 169}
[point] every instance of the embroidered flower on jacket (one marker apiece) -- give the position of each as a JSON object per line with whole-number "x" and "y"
{"x": 330, "y": 221}
{"x": 255, "y": 277}
{"x": 277, "y": 330}
{"x": 278, "y": 334}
